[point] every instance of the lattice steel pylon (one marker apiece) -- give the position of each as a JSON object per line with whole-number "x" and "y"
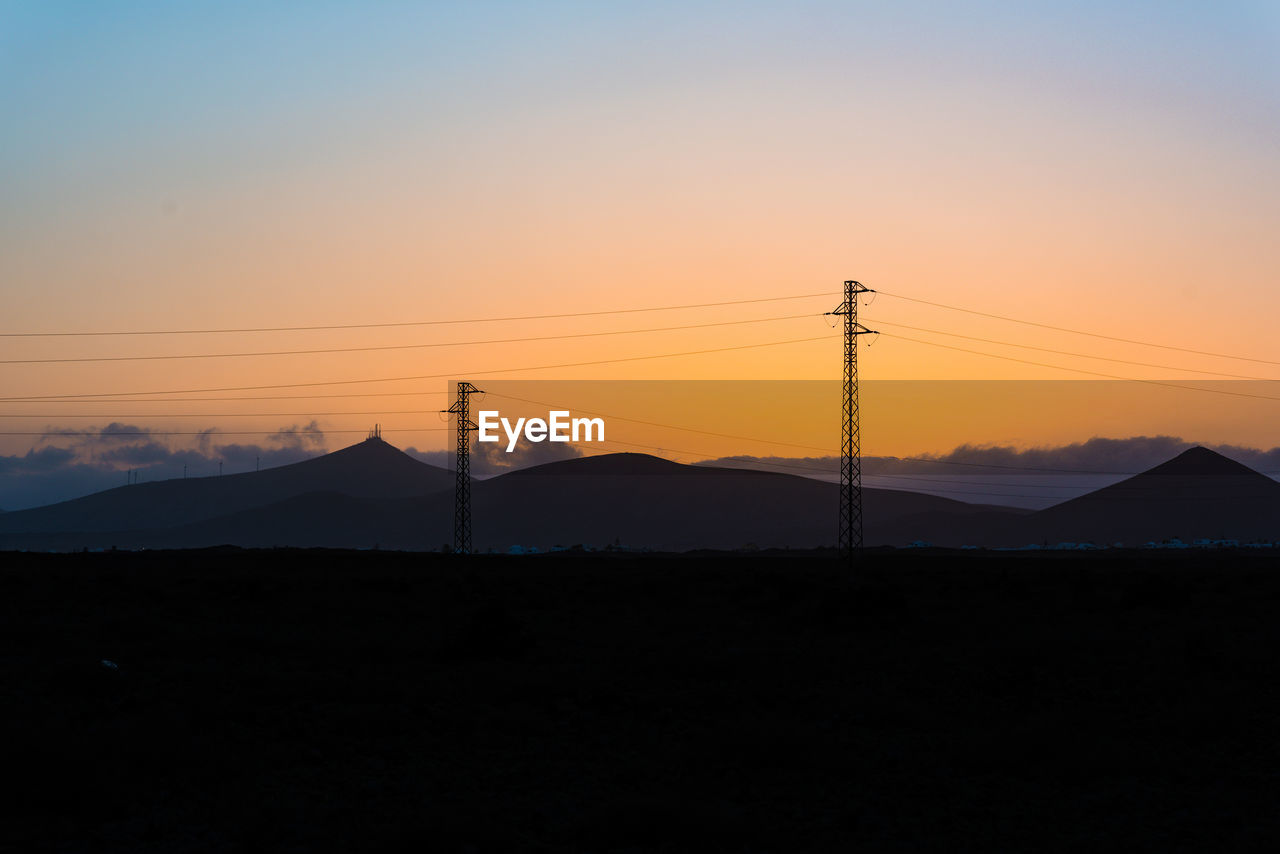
{"x": 461, "y": 411}
{"x": 850, "y": 539}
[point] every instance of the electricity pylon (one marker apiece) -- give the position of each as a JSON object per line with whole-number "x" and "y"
{"x": 461, "y": 410}
{"x": 850, "y": 442}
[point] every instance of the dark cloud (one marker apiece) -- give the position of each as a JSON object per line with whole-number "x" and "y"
{"x": 69, "y": 462}
{"x": 117, "y": 432}
{"x": 204, "y": 440}
{"x": 141, "y": 454}
{"x": 1267, "y": 461}
{"x": 307, "y": 436}
{"x": 1132, "y": 454}
{"x": 37, "y": 461}
{"x": 113, "y": 433}
{"x": 249, "y": 457}
{"x": 1118, "y": 456}
{"x": 493, "y": 458}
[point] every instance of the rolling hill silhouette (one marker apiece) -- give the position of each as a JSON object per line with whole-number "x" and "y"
{"x": 638, "y": 499}
{"x": 632, "y": 499}
{"x": 371, "y": 469}
{"x": 373, "y": 495}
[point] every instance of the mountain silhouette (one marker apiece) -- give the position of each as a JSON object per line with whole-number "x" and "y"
{"x": 632, "y": 499}
{"x": 1197, "y": 494}
{"x": 1201, "y": 462}
{"x": 602, "y": 465}
{"x": 638, "y": 499}
{"x": 373, "y": 495}
{"x": 371, "y": 469}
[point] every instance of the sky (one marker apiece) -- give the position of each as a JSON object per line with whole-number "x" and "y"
{"x": 1105, "y": 167}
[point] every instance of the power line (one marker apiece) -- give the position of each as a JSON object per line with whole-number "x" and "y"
{"x": 88, "y": 399}
{"x": 1080, "y": 331}
{"x": 1075, "y": 354}
{"x": 743, "y": 459}
{"x": 105, "y": 397}
{"x": 656, "y": 424}
{"x": 224, "y": 414}
{"x": 386, "y": 347}
{"x": 1084, "y": 371}
{"x": 739, "y": 458}
{"x": 411, "y": 322}
{"x": 818, "y": 470}
{"x": 930, "y": 460}
{"x": 69, "y": 434}
{"x": 935, "y": 486}
{"x": 30, "y": 398}
{"x": 753, "y": 460}
{"x": 205, "y": 399}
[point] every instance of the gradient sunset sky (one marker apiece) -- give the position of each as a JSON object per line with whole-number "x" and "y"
{"x": 1109, "y": 167}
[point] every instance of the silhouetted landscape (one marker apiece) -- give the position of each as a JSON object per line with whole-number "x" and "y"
{"x": 698, "y": 670}
{"x": 614, "y": 428}
{"x": 371, "y": 495}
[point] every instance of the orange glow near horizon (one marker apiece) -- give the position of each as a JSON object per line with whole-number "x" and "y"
{"x": 593, "y": 170}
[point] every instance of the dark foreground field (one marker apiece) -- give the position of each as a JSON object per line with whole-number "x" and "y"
{"x": 296, "y": 701}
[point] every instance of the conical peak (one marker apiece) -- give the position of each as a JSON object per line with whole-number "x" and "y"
{"x": 1202, "y": 461}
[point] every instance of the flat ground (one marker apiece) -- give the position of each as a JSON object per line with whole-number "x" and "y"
{"x": 299, "y": 700}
